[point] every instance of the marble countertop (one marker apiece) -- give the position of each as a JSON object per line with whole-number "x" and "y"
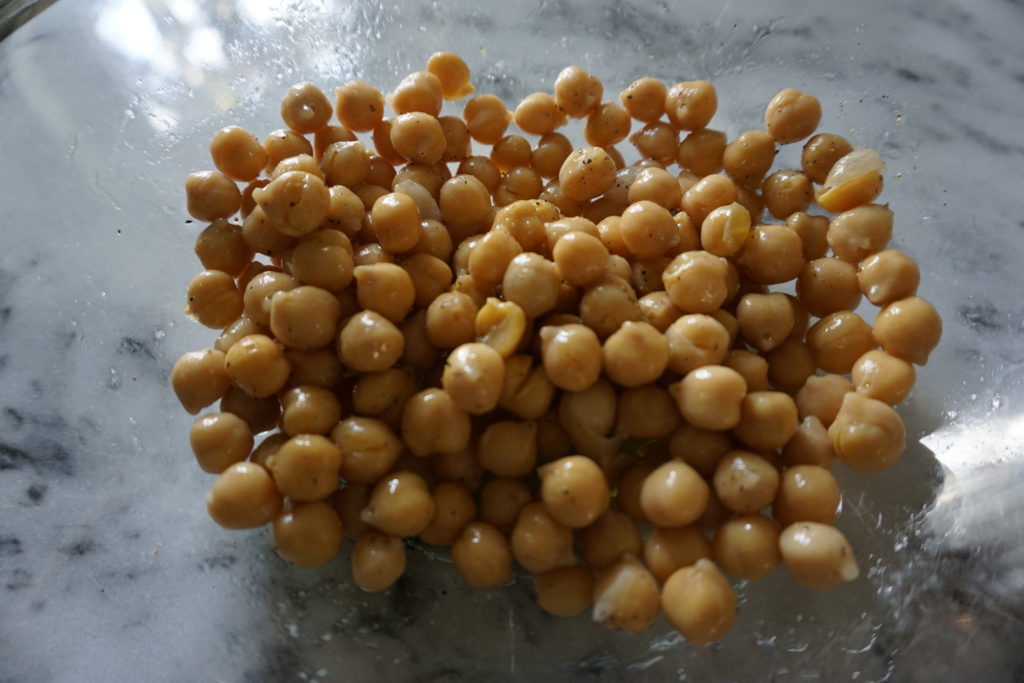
{"x": 110, "y": 569}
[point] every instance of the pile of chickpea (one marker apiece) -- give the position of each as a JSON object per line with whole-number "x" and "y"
{"x": 545, "y": 357}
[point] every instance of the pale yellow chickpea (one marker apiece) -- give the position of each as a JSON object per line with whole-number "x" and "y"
{"x": 305, "y": 109}
{"x": 607, "y": 125}
{"x": 378, "y": 560}
{"x": 256, "y": 364}
{"x": 456, "y": 137}
{"x": 817, "y": 556}
{"x": 211, "y": 195}
{"x": 500, "y": 325}
{"x": 626, "y": 597}
{"x": 538, "y": 113}
{"x": 511, "y": 151}
{"x": 400, "y": 504}
{"x": 199, "y": 379}
{"x": 648, "y": 229}
{"x": 674, "y": 495}
{"x": 435, "y": 240}
{"x": 786, "y": 192}
{"x": 586, "y": 173}
{"x": 751, "y": 366}
{"x": 909, "y": 329}
{"x": 747, "y": 546}
{"x": 809, "y": 445}
{"x": 694, "y": 341}
{"x": 745, "y": 482}
{"x": 369, "y": 342}
{"x": 473, "y": 376}
{"x": 327, "y": 136}
{"x": 644, "y": 99}
{"x": 564, "y": 591}
{"x": 487, "y": 118}
{"x": 690, "y": 105}
{"x": 454, "y": 508}
{"x": 710, "y": 397}
{"x": 635, "y": 354}
{"x": 283, "y": 144}
{"x": 418, "y": 137}
{"x": 607, "y": 304}
{"x": 577, "y": 92}
{"x": 453, "y": 74}
{"x": 539, "y": 541}
{"x": 707, "y": 194}
{"x": 308, "y": 534}
{"x": 772, "y": 254}
{"x": 501, "y": 500}
{"x": 867, "y": 434}
{"x": 508, "y": 448}
{"x": 765, "y": 320}
{"x": 237, "y": 153}
{"x": 696, "y": 281}
{"x": 296, "y": 202}
{"x": 219, "y": 440}
{"x": 574, "y": 490}
{"x": 658, "y": 186}
{"x": 396, "y": 222}
{"x": 820, "y": 154}
{"x": 888, "y": 276}
{"x": 482, "y": 556}
{"x": 581, "y": 258}
{"x": 221, "y": 246}
{"x": 791, "y": 116}
{"x": 385, "y": 288}
{"x": 749, "y": 157}
{"x": 879, "y": 375}
{"x": 860, "y": 232}
{"x": 702, "y": 151}
{"x": 658, "y": 141}
{"x": 725, "y": 229}
{"x": 359, "y": 106}
{"x": 822, "y": 396}
{"x": 532, "y": 282}
{"x": 418, "y": 92}
{"x": 838, "y": 340}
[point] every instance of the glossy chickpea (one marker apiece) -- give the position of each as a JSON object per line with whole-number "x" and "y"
{"x": 690, "y": 105}
{"x": 586, "y": 173}
{"x": 817, "y": 556}
{"x": 396, "y": 222}
{"x": 219, "y": 440}
{"x": 305, "y": 317}
{"x": 609, "y": 539}
{"x": 305, "y": 109}
{"x": 237, "y": 153}
{"x": 909, "y": 329}
{"x": 260, "y": 292}
{"x": 368, "y": 446}
{"x": 745, "y": 482}
{"x": 511, "y": 151}
{"x": 867, "y": 434}
{"x": 500, "y": 325}
{"x": 749, "y": 157}
{"x": 418, "y": 92}
{"x": 860, "y": 232}
{"x": 574, "y": 490}
{"x": 792, "y": 115}
{"x": 696, "y": 281}
{"x": 369, "y": 342}
{"x": 306, "y": 467}
{"x": 378, "y": 560}
{"x": 323, "y": 259}
{"x": 771, "y": 254}
{"x": 828, "y": 285}
{"x": 213, "y": 299}
{"x": 879, "y": 375}
{"x": 199, "y": 378}
{"x": 211, "y": 195}
{"x": 710, "y": 397}
{"x": 381, "y": 137}
{"x": 765, "y": 320}
{"x": 607, "y": 125}
{"x": 260, "y": 414}
{"x": 359, "y": 106}
{"x": 855, "y": 180}
{"x": 838, "y": 340}
{"x": 539, "y": 541}
{"x": 418, "y": 137}
{"x": 486, "y": 118}
{"x": 309, "y": 410}
{"x": 577, "y": 92}
{"x": 432, "y": 423}
{"x": 807, "y": 493}
{"x": 383, "y": 394}
{"x": 767, "y": 420}
{"x": 454, "y": 508}
{"x": 532, "y": 282}
{"x": 635, "y": 354}
{"x": 658, "y": 141}
{"x": 790, "y": 364}
{"x": 464, "y": 201}
{"x": 707, "y": 194}
{"x": 809, "y": 445}
{"x": 430, "y": 277}
{"x": 747, "y": 546}
{"x": 482, "y": 556}
{"x": 243, "y": 497}
{"x": 508, "y": 448}
{"x": 607, "y": 304}
{"x": 473, "y": 376}
{"x": 370, "y": 254}
{"x": 308, "y": 534}
{"x": 565, "y": 591}
{"x": 822, "y": 396}
{"x": 648, "y": 229}
{"x": 453, "y": 74}
{"x": 702, "y": 151}
{"x": 626, "y": 597}
{"x": 673, "y": 495}
{"x": 549, "y": 155}
{"x": 299, "y": 162}
{"x": 888, "y": 276}
{"x": 644, "y": 99}
{"x": 385, "y": 288}
{"x": 725, "y": 229}
{"x": 786, "y": 192}
{"x": 658, "y": 310}
{"x": 435, "y": 240}
{"x": 490, "y": 256}
{"x": 820, "y": 154}
{"x": 400, "y": 504}
{"x": 257, "y": 365}
{"x": 751, "y": 366}
{"x": 812, "y": 231}
{"x": 451, "y": 320}
{"x": 538, "y": 113}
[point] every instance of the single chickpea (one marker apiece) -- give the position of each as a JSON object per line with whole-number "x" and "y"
{"x": 860, "y": 232}
{"x": 260, "y": 414}
{"x": 381, "y": 137}
{"x": 211, "y": 195}
{"x": 451, "y": 320}
{"x": 452, "y": 73}
{"x": 538, "y": 113}
{"x": 809, "y": 445}
{"x": 838, "y": 340}
{"x": 309, "y": 410}
{"x": 435, "y": 240}
{"x": 539, "y": 541}
{"x": 674, "y": 495}
{"x": 508, "y": 448}
{"x": 820, "y": 154}
{"x": 285, "y": 143}
{"x": 702, "y": 151}
{"x": 588, "y": 417}
{"x": 214, "y": 299}
{"x": 607, "y": 304}
{"x": 574, "y": 490}
{"x": 828, "y": 285}
{"x": 464, "y": 201}
{"x": 243, "y": 497}
{"x": 482, "y": 556}
{"x": 296, "y": 202}
{"x": 306, "y": 467}
{"x": 888, "y": 276}
{"x": 581, "y": 258}
{"x": 771, "y": 254}
{"x": 765, "y": 320}
{"x": 491, "y": 255}
{"x": 385, "y": 288}
{"x": 768, "y": 419}
{"x": 432, "y": 423}
{"x": 791, "y": 116}
{"x": 807, "y": 493}
{"x": 369, "y": 342}
{"x": 577, "y": 92}
{"x": 383, "y": 394}
{"x": 456, "y": 138}
{"x": 219, "y": 440}
{"x": 817, "y": 556}
{"x": 658, "y": 310}
{"x": 418, "y": 92}
{"x": 644, "y": 99}
{"x": 486, "y": 118}
{"x": 635, "y": 354}
{"x": 511, "y": 151}
{"x": 473, "y": 376}
{"x": 586, "y": 173}
{"x": 501, "y": 325}
{"x": 418, "y": 137}
{"x": 647, "y": 412}
{"x": 454, "y": 508}
{"x": 696, "y": 281}
{"x": 701, "y": 449}
{"x": 867, "y": 434}
{"x": 378, "y": 560}
{"x": 790, "y": 364}
{"x": 812, "y": 231}
{"x": 327, "y": 136}
{"x": 668, "y": 549}
{"x": 751, "y": 366}
{"x": 745, "y": 482}
{"x": 371, "y": 254}
{"x": 501, "y": 500}
{"x": 909, "y": 329}
{"x": 396, "y": 222}
{"x": 360, "y": 106}
{"x": 710, "y": 397}
{"x": 879, "y": 375}
{"x": 749, "y": 157}
{"x": 725, "y": 230}
{"x": 308, "y": 534}
{"x": 199, "y": 378}
{"x": 707, "y": 194}
{"x": 323, "y": 259}
{"x": 626, "y": 597}
{"x": 610, "y": 538}
{"x": 430, "y": 277}
{"x": 400, "y": 505}
{"x": 747, "y": 546}
{"x": 607, "y": 125}
{"x": 237, "y": 153}
{"x": 549, "y": 155}
{"x": 658, "y": 141}
{"x": 305, "y": 317}
{"x": 564, "y": 591}
{"x": 257, "y": 365}
{"x": 368, "y": 446}
{"x": 305, "y": 109}
{"x": 699, "y": 602}
{"x": 532, "y": 282}
{"x": 648, "y": 229}
{"x": 691, "y": 105}
{"x": 786, "y": 192}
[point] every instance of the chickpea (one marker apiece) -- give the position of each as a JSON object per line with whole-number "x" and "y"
{"x": 860, "y": 232}
{"x": 199, "y": 378}
{"x": 501, "y": 500}
{"x": 452, "y": 73}
{"x": 464, "y": 201}
{"x": 608, "y": 304}
{"x": 564, "y": 591}
{"x": 812, "y": 231}
{"x": 838, "y": 340}
{"x": 867, "y": 434}
{"x": 360, "y": 106}
{"x": 309, "y": 410}
{"x": 577, "y": 93}
{"x": 461, "y": 468}
{"x": 327, "y": 136}
{"x": 309, "y": 534}
{"x": 532, "y": 282}
{"x": 749, "y": 157}
{"x": 909, "y": 329}
{"x": 792, "y": 115}
{"x": 511, "y": 151}
{"x": 691, "y": 104}
{"x": 818, "y": 556}
{"x": 260, "y": 292}
{"x": 378, "y": 560}
{"x": 725, "y": 230}
{"x": 809, "y": 445}
{"x": 647, "y": 228}
{"x": 486, "y": 118}
{"x": 306, "y": 467}
{"x": 418, "y": 92}
{"x": 527, "y": 392}
{"x": 768, "y": 419}
{"x": 418, "y": 137}
{"x": 658, "y": 310}
{"x": 481, "y": 556}
{"x": 297, "y": 202}
{"x": 550, "y": 153}
{"x": 626, "y": 597}
{"x": 701, "y": 449}
{"x": 752, "y": 367}
{"x": 214, "y": 299}
{"x": 607, "y": 125}
{"x": 305, "y": 109}
{"x": 348, "y": 503}
{"x": 588, "y": 418}
{"x": 854, "y": 180}
{"x": 371, "y": 254}
{"x": 418, "y": 354}
{"x": 538, "y": 113}
{"x": 369, "y": 448}
{"x": 888, "y": 276}
{"x": 674, "y": 495}
{"x": 771, "y": 254}
{"x": 243, "y": 497}
{"x": 820, "y": 154}
{"x": 807, "y": 493}
{"x": 518, "y": 184}
{"x": 381, "y": 137}
{"x": 694, "y": 341}
{"x": 668, "y": 549}
{"x": 285, "y": 143}
{"x": 765, "y": 320}
{"x": 383, "y": 394}
{"x": 490, "y": 256}
{"x": 396, "y": 222}
{"x": 710, "y": 397}
{"x": 647, "y": 412}
{"x": 457, "y": 145}
{"x": 323, "y": 259}
{"x": 219, "y": 440}
{"x": 237, "y": 153}
{"x": 745, "y": 482}
{"x": 368, "y": 195}
{"x": 211, "y": 195}
{"x": 434, "y": 240}
{"x": 644, "y": 99}
{"x": 790, "y": 364}
{"x": 574, "y": 490}
{"x": 508, "y": 448}
{"x": 747, "y": 546}
{"x": 500, "y": 325}
{"x": 430, "y": 277}
{"x": 707, "y": 194}
{"x": 608, "y": 539}
{"x": 539, "y": 541}
{"x": 257, "y": 365}
{"x": 369, "y": 342}
{"x": 696, "y": 281}
{"x": 786, "y": 192}
{"x": 385, "y": 288}
{"x": 304, "y": 318}
{"x": 221, "y": 246}
{"x": 454, "y": 508}
{"x": 635, "y": 354}
{"x": 318, "y": 367}
{"x": 260, "y": 414}
{"x": 828, "y": 285}
{"x": 586, "y": 173}
{"x": 432, "y": 423}
{"x": 451, "y": 320}
{"x": 581, "y": 258}
{"x": 473, "y": 377}
{"x": 887, "y": 378}
{"x": 248, "y": 203}
{"x": 658, "y": 141}
{"x": 400, "y": 505}
{"x": 702, "y": 152}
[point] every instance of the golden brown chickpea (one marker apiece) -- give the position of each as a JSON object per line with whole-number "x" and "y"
{"x": 606, "y": 125}
{"x": 709, "y": 193}
{"x": 710, "y": 397}
{"x": 644, "y": 99}
{"x": 323, "y": 259}
{"x": 305, "y": 109}
{"x": 828, "y": 285}
{"x": 473, "y": 376}
{"x": 260, "y": 291}
{"x": 607, "y": 304}
{"x": 888, "y": 276}
{"x": 260, "y": 414}
{"x": 396, "y": 222}
{"x": 300, "y": 162}
{"x": 820, "y": 154}
{"x": 220, "y": 440}
{"x": 381, "y": 137}
{"x": 565, "y": 591}
{"x": 752, "y": 367}
{"x": 456, "y": 137}
{"x": 429, "y": 177}
{"x": 588, "y": 418}
{"x": 378, "y": 560}
{"x": 790, "y": 364}
{"x": 699, "y": 602}
{"x": 786, "y": 192}
{"x": 305, "y": 318}
{"x": 432, "y": 423}
{"x": 807, "y": 493}
{"x": 501, "y": 500}
{"x": 701, "y": 152}
{"x": 555, "y": 230}
{"x": 809, "y": 445}
{"x": 451, "y": 320}
{"x": 701, "y": 449}
{"x": 369, "y": 448}
{"x": 248, "y": 203}
{"x": 749, "y": 157}
{"x": 725, "y": 229}
{"x": 435, "y": 240}
{"x": 571, "y": 355}
{"x": 674, "y": 495}
{"x": 383, "y": 394}
{"x": 532, "y": 282}
{"x": 237, "y": 153}
{"x": 765, "y": 320}
{"x": 482, "y": 556}
{"x": 371, "y": 254}
{"x": 211, "y": 195}
{"x": 539, "y": 541}
{"x": 538, "y": 113}
{"x": 658, "y": 310}
{"x": 454, "y": 508}
{"x": 771, "y": 254}
{"x": 464, "y": 201}
{"x": 854, "y": 180}
{"x": 868, "y": 435}
{"x": 309, "y": 410}
{"x": 490, "y": 256}
{"x": 511, "y": 151}
{"x": 385, "y": 288}
{"x": 418, "y": 137}
{"x": 348, "y": 502}
{"x": 626, "y": 597}
{"x": 618, "y": 267}
{"x": 647, "y": 412}
{"x": 453, "y": 74}
{"x": 838, "y": 340}
{"x": 658, "y": 141}
{"x": 635, "y": 354}
{"x": 360, "y": 106}
{"x": 647, "y": 228}
{"x": 574, "y": 490}
{"x": 860, "y": 232}
{"x": 486, "y": 118}
{"x": 400, "y": 505}
{"x": 610, "y": 233}
{"x": 309, "y": 534}
{"x": 319, "y": 367}
{"x": 691, "y": 105}
{"x": 581, "y": 258}
{"x": 909, "y": 329}
{"x": 817, "y": 556}
{"x": 527, "y": 392}
{"x": 222, "y": 246}
{"x": 419, "y": 355}
{"x": 306, "y": 467}
{"x": 430, "y": 277}
{"x": 887, "y": 378}
{"x": 509, "y": 448}
{"x": 768, "y": 419}
{"x": 609, "y": 539}
{"x": 586, "y": 173}
{"x": 243, "y": 497}
{"x": 285, "y": 143}
{"x": 257, "y": 365}
{"x": 368, "y": 195}
{"x": 518, "y": 184}
{"x": 213, "y": 299}
{"x": 327, "y": 136}
{"x": 822, "y": 396}
{"x": 418, "y": 92}
{"x": 296, "y": 202}
{"x": 577, "y": 92}
{"x": 461, "y": 468}
{"x": 696, "y": 281}
{"x": 669, "y": 549}
{"x": 745, "y": 482}
{"x": 199, "y": 378}
{"x": 792, "y": 115}
{"x": 551, "y": 152}
{"x": 500, "y": 325}
{"x": 369, "y": 342}
{"x": 747, "y": 546}
{"x": 812, "y": 231}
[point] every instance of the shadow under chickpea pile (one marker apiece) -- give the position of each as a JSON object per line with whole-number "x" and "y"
{"x": 544, "y": 356}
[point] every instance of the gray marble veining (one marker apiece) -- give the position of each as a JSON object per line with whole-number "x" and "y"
{"x": 109, "y": 567}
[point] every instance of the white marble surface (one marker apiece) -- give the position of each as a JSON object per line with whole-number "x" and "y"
{"x": 109, "y": 567}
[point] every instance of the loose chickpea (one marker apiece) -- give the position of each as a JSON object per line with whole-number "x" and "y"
{"x": 430, "y": 277}
{"x": 418, "y": 137}
{"x": 464, "y": 201}
{"x": 791, "y": 116}
{"x": 749, "y": 157}
{"x": 432, "y": 423}
{"x": 577, "y": 92}
{"x": 710, "y": 397}
{"x": 856, "y": 234}
{"x": 574, "y": 490}
{"x": 428, "y": 176}
{"x": 518, "y": 184}
{"x": 626, "y": 597}
{"x": 581, "y": 258}
{"x": 702, "y": 151}
{"x": 237, "y": 153}
{"x": 296, "y": 202}
{"x": 765, "y": 320}
{"x": 565, "y": 591}
{"x": 658, "y": 141}
{"x": 538, "y": 113}
{"x": 473, "y": 376}
{"x": 508, "y": 448}
{"x": 381, "y": 137}
{"x": 243, "y": 497}
{"x": 699, "y": 602}
{"x": 378, "y": 560}
{"x": 812, "y": 231}
{"x": 668, "y": 549}
{"x": 199, "y": 378}
{"x": 771, "y": 254}
{"x": 817, "y": 556}
{"x": 454, "y": 508}
{"x": 586, "y": 173}
{"x": 396, "y": 222}
{"x": 691, "y": 105}
{"x": 854, "y": 180}
{"x": 647, "y": 228}
{"x": 481, "y": 556}
{"x": 674, "y": 495}
{"x": 486, "y": 118}
{"x": 418, "y": 92}
{"x": 214, "y": 299}
{"x": 790, "y": 364}
{"x": 327, "y": 136}
{"x": 369, "y": 342}
{"x": 309, "y": 410}
{"x": 807, "y": 493}
{"x": 305, "y": 109}
{"x": 887, "y": 378}
{"x": 539, "y": 541}
{"x": 456, "y": 137}
{"x": 490, "y": 256}
{"x": 550, "y": 153}
{"x": 360, "y": 106}
{"x": 909, "y": 329}
{"x": 809, "y": 445}
{"x": 696, "y": 281}
{"x": 385, "y": 288}
{"x": 828, "y": 285}
{"x": 822, "y": 396}
{"x": 257, "y": 365}
{"x": 607, "y": 125}
{"x": 747, "y": 546}
{"x": 511, "y": 151}
{"x": 260, "y": 414}
{"x": 786, "y": 192}
{"x": 306, "y": 467}
{"x": 635, "y": 354}
{"x": 709, "y": 193}
{"x": 400, "y": 505}
{"x": 745, "y": 482}
{"x": 607, "y": 304}
{"x": 618, "y": 267}
{"x": 644, "y": 99}
{"x": 768, "y": 419}
{"x": 435, "y": 240}
{"x": 285, "y": 143}
{"x": 647, "y": 412}
{"x": 219, "y": 440}
{"x": 820, "y": 154}
{"x": 608, "y": 539}
{"x": 725, "y": 229}
{"x": 304, "y": 318}
{"x": 308, "y": 534}
{"x": 752, "y": 367}
{"x": 888, "y": 276}
{"x": 868, "y": 435}
{"x": 501, "y": 500}
{"x": 838, "y": 340}
{"x": 211, "y": 195}
{"x": 452, "y": 73}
